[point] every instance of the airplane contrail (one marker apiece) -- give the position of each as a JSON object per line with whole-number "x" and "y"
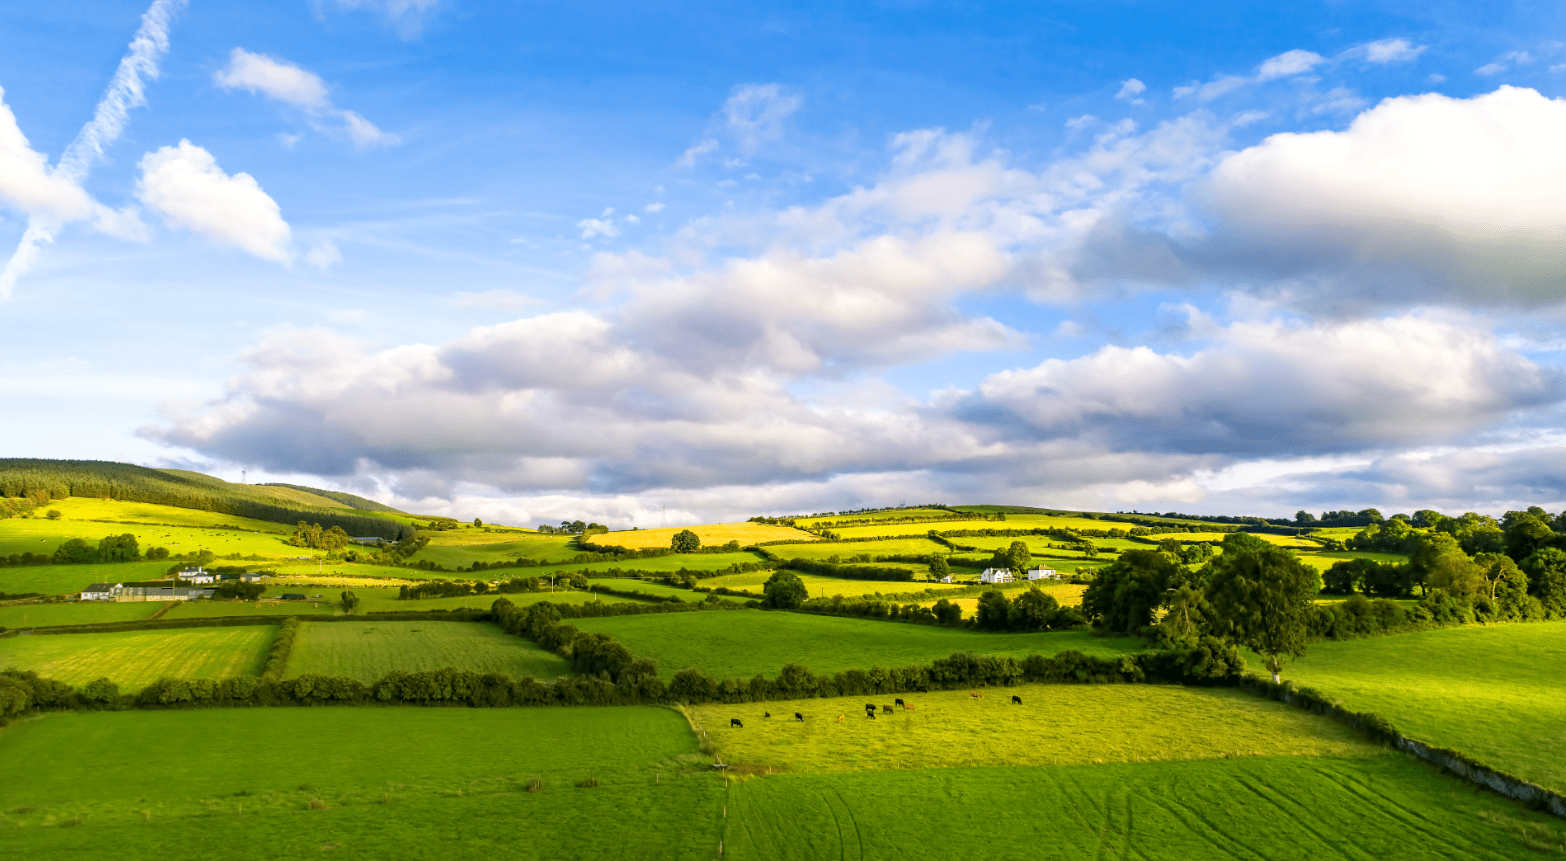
{"x": 125, "y": 91}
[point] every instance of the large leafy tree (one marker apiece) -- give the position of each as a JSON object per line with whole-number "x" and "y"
{"x": 1123, "y": 596}
{"x": 1547, "y": 579}
{"x": 784, "y": 591}
{"x": 685, "y": 541}
{"x": 1261, "y": 598}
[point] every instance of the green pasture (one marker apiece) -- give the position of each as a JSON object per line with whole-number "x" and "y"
{"x": 70, "y": 579}
{"x": 74, "y": 613}
{"x": 825, "y": 587}
{"x": 77, "y": 508}
{"x": 659, "y": 590}
{"x": 264, "y": 607}
{"x": 1495, "y": 692}
{"x": 38, "y": 535}
{"x": 463, "y": 547}
{"x": 416, "y": 783}
{"x": 846, "y": 549}
{"x": 1326, "y": 559}
{"x": 876, "y": 515}
{"x": 134, "y": 659}
{"x": 369, "y": 650}
{"x": 910, "y": 529}
{"x": 1372, "y": 807}
{"x": 742, "y": 643}
{"x": 1054, "y": 725}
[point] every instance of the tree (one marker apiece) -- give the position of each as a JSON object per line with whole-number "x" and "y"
{"x": 349, "y": 602}
{"x": 1525, "y": 533}
{"x": 1304, "y": 518}
{"x": 1262, "y": 599}
{"x": 939, "y": 567}
{"x": 1546, "y": 571}
{"x": 993, "y": 613}
{"x": 1426, "y": 518}
{"x": 783, "y": 591}
{"x": 118, "y": 548}
{"x": 947, "y": 613}
{"x": 1123, "y": 596}
{"x": 1032, "y": 611}
{"x": 477, "y": 523}
{"x": 54, "y": 514}
{"x": 75, "y": 551}
{"x": 685, "y": 541}
{"x": 1019, "y": 553}
{"x": 1186, "y": 621}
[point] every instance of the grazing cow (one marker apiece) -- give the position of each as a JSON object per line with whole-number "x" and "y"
{"x": 899, "y": 703}
{"x": 840, "y": 717}
{"x": 798, "y": 716}
{"x": 766, "y": 714}
{"x": 908, "y": 708}
{"x": 886, "y": 710}
{"x": 869, "y": 707}
{"x": 735, "y": 722}
{"x": 976, "y": 695}
{"x": 870, "y": 713}
{"x": 1016, "y": 700}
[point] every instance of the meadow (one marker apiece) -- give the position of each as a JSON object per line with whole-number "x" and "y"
{"x": 819, "y": 586}
{"x": 39, "y": 535}
{"x": 1054, "y": 725}
{"x": 134, "y": 659}
{"x": 368, "y": 650}
{"x": 711, "y": 535}
{"x": 391, "y": 782}
{"x": 891, "y": 514}
{"x": 78, "y": 508}
{"x": 74, "y": 613}
{"x": 70, "y": 579}
{"x": 740, "y": 644}
{"x": 913, "y": 546}
{"x": 1327, "y": 558}
{"x": 1386, "y": 807}
{"x": 1495, "y": 692}
{"x": 659, "y": 590}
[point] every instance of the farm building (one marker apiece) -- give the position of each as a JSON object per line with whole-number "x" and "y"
{"x": 99, "y": 592}
{"x": 196, "y": 575}
{"x": 947, "y": 579}
{"x": 996, "y": 575}
{"x": 129, "y": 594}
{"x": 294, "y": 596}
{"x": 1043, "y": 574}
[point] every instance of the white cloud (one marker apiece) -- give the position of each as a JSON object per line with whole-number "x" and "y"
{"x": 755, "y": 113}
{"x": 27, "y": 183}
{"x": 324, "y": 255}
{"x": 1130, "y": 90}
{"x": 1464, "y": 190}
{"x": 185, "y": 185}
{"x": 407, "y": 17}
{"x": 287, "y": 83}
{"x": 689, "y": 157}
{"x": 275, "y": 79}
{"x": 654, "y": 207}
{"x": 1505, "y": 62}
{"x": 1393, "y": 51}
{"x": 1288, "y": 64}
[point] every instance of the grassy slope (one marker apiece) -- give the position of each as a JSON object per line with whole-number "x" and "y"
{"x": 743, "y": 643}
{"x": 711, "y": 534}
{"x": 1385, "y": 807}
{"x": 913, "y": 546}
{"x": 134, "y": 659}
{"x": 69, "y": 579}
{"x": 391, "y": 776}
{"x": 1054, "y": 725}
{"x": 74, "y": 613}
{"x": 1497, "y": 693}
{"x": 368, "y": 651}
{"x": 825, "y": 586}
{"x": 657, "y": 589}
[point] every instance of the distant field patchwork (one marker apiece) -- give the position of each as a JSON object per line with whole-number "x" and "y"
{"x": 134, "y": 659}
{"x": 711, "y": 535}
{"x": 367, "y": 651}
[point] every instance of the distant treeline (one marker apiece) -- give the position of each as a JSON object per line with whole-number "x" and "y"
{"x": 41, "y": 481}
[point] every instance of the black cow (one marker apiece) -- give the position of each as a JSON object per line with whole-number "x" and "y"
{"x": 869, "y": 707}
{"x": 736, "y": 722}
{"x": 886, "y": 710}
{"x": 766, "y": 714}
{"x": 900, "y": 703}
{"x": 798, "y": 716}
{"x": 1016, "y": 700}
{"x": 870, "y": 713}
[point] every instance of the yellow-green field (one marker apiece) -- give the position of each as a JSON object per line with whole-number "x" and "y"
{"x": 462, "y": 547}
{"x": 926, "y": 513}
{"x": 1054, "y": 725}
{"x": 910, "y": 546}
{"x": 711, "y": 535}
{"x": 823, "y": 587}
{"x": 74, "y": 613}
{"x": 77, "y": 508}
{"x": 39, "y": 535}
{"x": 1068, "y": 594}
{"x": 134, "y": 659}
{"x": 1326, "y": 559}
{"x": 368, "y": 651}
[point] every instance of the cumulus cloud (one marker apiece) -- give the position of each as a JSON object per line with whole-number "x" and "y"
{"x": 285, "y": 82}
{"x": 1504, "y": 63}
{"x": 407, "y": 17}
{"x": 1289, "y": 64}
{"x": 185, "y": 185}
{"x": 27, "y": 183}
{"x": 1131, "y": 90}
{"x": 1393, "y": 51}
{"x": 756, "y": 112}
{"x": 1461, "y": 192}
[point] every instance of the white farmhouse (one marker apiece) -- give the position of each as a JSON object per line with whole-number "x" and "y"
{"x": 996, "y": 575}
{"x": 196, "y": 575}
{"x": 1043, "y": 574}
{"x": 947, "y": 579}
{"x": 99, "y": 592}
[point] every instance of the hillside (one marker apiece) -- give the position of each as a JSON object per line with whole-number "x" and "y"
{"x": 43, "y": 480}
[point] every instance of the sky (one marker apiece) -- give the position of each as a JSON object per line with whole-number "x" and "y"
{"x": 654, "y": 264}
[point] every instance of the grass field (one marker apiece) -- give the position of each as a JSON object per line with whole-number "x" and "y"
{"x": 913, "y": 546}
{"x": 1326, "y": 559}
{"x": 1495, "y": 692}
{"x": 368, "y": 651}
{"x": 134, "y": 659}
{"x": 711, "y": 535}
{"x": 397, "y": 783}
{"x": 38, "y": 535}
{"x": 656, "y": 589}
{"x": 740, "y": 644}
{"x": 1283, "y": 808}
{"x": 896, "y": 514}
{"x": 825, "y": 587}
{"x": 70, "y": 579}
{"x": 74, "y": 613}
{"x": 77, "y": 508}
{"x": 463, "y": 547}
{"x": 1068, "y": 594}
{"x": 1055, "y": 725}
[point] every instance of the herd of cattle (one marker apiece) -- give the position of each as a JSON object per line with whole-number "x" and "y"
{"x": 870, "y": 710}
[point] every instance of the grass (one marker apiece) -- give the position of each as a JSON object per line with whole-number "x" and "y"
{"x": 1054, "y": 725}
{"x": 368, "y": 651}
{"x": 843, "y": 550}
{"x": 820, "y": 586}
{"x": 463, "y": 547}
{"x": 74, "y": 613}
{"x": 1068, "y": 594}
{"x": 39, "y": 535}
{"x": 711, "y": 535}
{"x": 134, "y": 659}
{"x": 1326, "y": 559}
{"x": 740, "y": 644}
{"x": 925, "y": 513}
{"x": 1386, "y": 806}
{"x": 433, "y": 783}
{"x": 646, "y": 587}
{"x": 78, "y": 508}
{"x": 1494, "y": 692}
{"x": 69, "y": 579}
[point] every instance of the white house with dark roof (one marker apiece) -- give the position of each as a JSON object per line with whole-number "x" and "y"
{"x": 196, "y": 575}
{"x": 99, "y": 592}
{"x": 1042, "y": 573}
{"x": 996, "y": 575}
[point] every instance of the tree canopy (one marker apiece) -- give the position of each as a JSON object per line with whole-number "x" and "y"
{"x": 1262, "y": 598}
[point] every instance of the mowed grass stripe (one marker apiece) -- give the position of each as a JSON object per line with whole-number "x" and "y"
{"x": 1053, "y": 725}
{"x": 742, "y": 643}
{"x": 1495, "y": 692}
{"x": 134, "y": 659}
{"x": 367, "y": 651}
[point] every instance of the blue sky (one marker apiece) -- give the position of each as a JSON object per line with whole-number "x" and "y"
{"x": 530, "y": 263}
